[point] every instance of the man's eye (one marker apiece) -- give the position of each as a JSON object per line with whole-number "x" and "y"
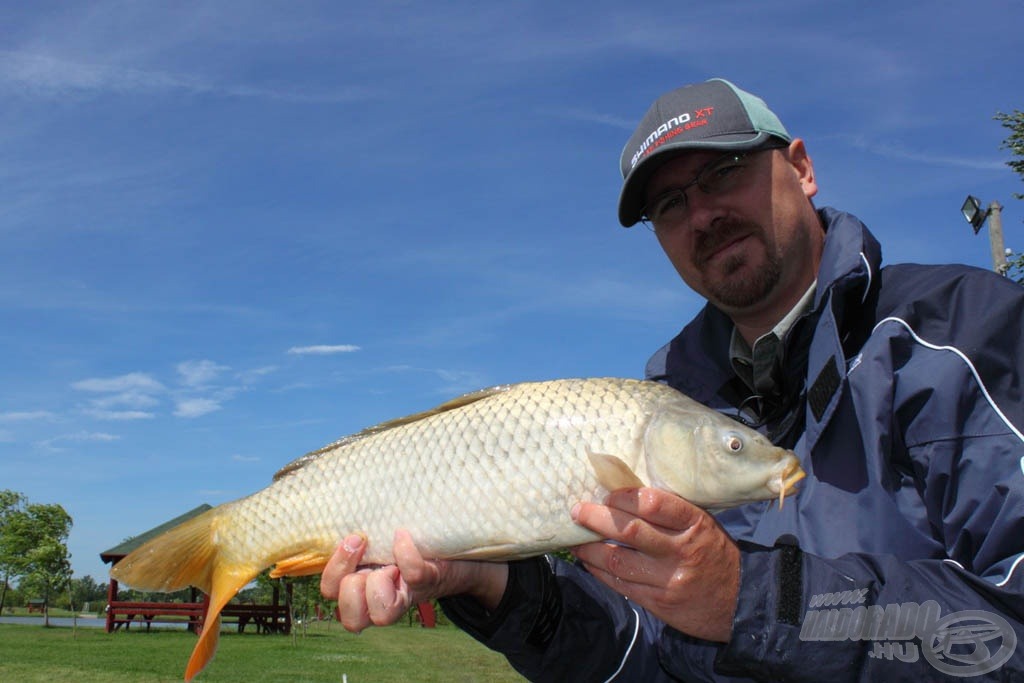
{"x": 722, "y": 172}
{"x": 676, "y": 200}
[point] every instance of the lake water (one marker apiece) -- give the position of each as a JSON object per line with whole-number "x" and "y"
{"x": 83, "y": 622}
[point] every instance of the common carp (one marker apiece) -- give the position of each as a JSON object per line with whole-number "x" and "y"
{"x": 488, "y": 476}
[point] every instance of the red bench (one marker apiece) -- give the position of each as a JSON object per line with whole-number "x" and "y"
{"x": 265, "y": 618}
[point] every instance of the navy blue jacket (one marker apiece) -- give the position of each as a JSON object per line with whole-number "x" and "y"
{"x": 902, "y": 555}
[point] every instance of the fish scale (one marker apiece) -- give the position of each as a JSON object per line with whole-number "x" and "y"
{"x": 490, "y": 476}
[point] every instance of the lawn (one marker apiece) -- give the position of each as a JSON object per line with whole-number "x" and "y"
{"x": 325, "y": 653}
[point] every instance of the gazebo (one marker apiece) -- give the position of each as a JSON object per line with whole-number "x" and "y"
{"x": 272, "y": 618}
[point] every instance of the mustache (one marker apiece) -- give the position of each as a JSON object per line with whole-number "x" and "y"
{"x": 722, "y": 232}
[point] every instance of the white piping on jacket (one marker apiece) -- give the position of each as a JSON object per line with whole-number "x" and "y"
{"x": 867, "y": 266}
{"x": 636, "y": 632}
{"x": 967, "y": 362}
{"x": 988, "y": 398}
{"x": 1000, "y": 584}
{"x": 1013, "y": 568}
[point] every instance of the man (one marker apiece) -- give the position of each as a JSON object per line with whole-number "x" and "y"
{"x": 902, "y": 556}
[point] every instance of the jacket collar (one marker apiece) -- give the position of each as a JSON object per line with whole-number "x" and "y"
{"x": 851, "y": 258}
{"x": 850, "y": 264}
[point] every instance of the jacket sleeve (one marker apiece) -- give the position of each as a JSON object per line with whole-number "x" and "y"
{"x": 557, "y": 623}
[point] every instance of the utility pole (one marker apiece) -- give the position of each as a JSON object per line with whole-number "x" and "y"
{"x": 995, "y": 238}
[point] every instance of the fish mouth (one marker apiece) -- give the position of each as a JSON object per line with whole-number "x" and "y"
{"x": 788, "y": 479}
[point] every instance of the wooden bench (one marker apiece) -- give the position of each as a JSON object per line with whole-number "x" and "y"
{"x": 265, "y": 618}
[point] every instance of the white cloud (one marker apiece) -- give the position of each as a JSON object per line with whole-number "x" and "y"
{"x": 244, "y": 458}
{"x": 78, "y": 437}
{"x": 196, "y": 407}
{"x": 575, "y": 114}
{"x": 128, "y": 399}
{"x": 323, "y": 349}
{"x": 133, "y": 381}
{"x": 89, "y": 436}
{"x": 453, "y": 382}
{"x": 897, "y": 151}
{"x": 25, "y": 415}
{"x": 134, "y": 395}
{"x": 45, "y": 75}
{"x": 124, "y": 397}
{"x": 118, "y": 414}
{"x": 249, "y": 376}
{"x": 197, "y": 373}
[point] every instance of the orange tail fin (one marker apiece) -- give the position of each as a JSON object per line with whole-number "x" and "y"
{"x": 227, "y": 580}
{"x": 187, "y": 556}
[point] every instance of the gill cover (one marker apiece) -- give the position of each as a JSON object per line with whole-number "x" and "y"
{"x": 671, "y": 448}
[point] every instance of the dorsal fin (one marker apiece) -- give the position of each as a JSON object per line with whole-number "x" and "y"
{"x": 464, "y": 400}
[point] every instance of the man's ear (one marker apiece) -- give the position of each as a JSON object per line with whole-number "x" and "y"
{"x": 803, "y": 166}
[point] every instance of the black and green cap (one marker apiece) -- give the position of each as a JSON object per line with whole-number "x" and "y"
{"x": 710, "y": 115}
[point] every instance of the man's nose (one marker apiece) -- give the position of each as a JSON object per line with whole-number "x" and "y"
{"x": 702, "y": 210}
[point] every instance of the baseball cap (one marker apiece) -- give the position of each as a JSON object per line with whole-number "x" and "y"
{"x": 711, "y": 115}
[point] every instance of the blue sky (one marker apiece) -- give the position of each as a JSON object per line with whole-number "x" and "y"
{"x": 232, "y": 232}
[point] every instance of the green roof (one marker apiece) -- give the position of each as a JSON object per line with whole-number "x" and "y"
{"x": 125, "y": 547}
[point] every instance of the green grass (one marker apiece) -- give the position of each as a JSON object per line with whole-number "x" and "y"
{"x": 325, "y": 653}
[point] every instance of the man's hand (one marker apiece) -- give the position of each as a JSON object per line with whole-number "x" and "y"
{"x": 383, "y": 595}
{"x": 675, "y": 560}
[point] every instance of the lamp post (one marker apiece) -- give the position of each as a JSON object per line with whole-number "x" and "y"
{"x": 974, "y": 215}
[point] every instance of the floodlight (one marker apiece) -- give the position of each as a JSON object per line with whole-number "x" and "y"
{"x": 973, "y": 213}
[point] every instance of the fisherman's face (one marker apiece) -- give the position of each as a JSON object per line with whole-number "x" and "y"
{"x": 754, "y": 247}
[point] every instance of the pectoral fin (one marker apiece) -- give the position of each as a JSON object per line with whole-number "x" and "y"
{"x": 303, "y": 564}
{"x": 612, "y": 473}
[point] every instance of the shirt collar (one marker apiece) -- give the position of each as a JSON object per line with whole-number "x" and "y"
{"x": 749, "y": 362}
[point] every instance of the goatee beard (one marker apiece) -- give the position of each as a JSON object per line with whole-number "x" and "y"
{"x": 732, "y": 289}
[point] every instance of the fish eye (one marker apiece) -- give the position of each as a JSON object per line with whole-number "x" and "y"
{"x": 733, "y": 443}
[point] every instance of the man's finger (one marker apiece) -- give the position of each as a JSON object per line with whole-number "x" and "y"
{"x": 344, "y": 561}
{"x": 656, "y": 506}
{"x": 387, "y": 596}
{"x": 407, "y": 556}
{"x": 624, "y": 527}
{"x": 620, "y": 564}
{"x": 352, "y": 611}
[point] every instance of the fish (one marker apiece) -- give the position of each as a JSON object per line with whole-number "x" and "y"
{"x": 491, "y": 475}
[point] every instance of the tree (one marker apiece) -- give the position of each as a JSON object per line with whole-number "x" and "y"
{"x": 48, "y": 562}
{"x": 1015, "y": 268}
{"x": 1015, "y": 143}
{"x": 11, "y": 559}
{"x": 33, "y": 545}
